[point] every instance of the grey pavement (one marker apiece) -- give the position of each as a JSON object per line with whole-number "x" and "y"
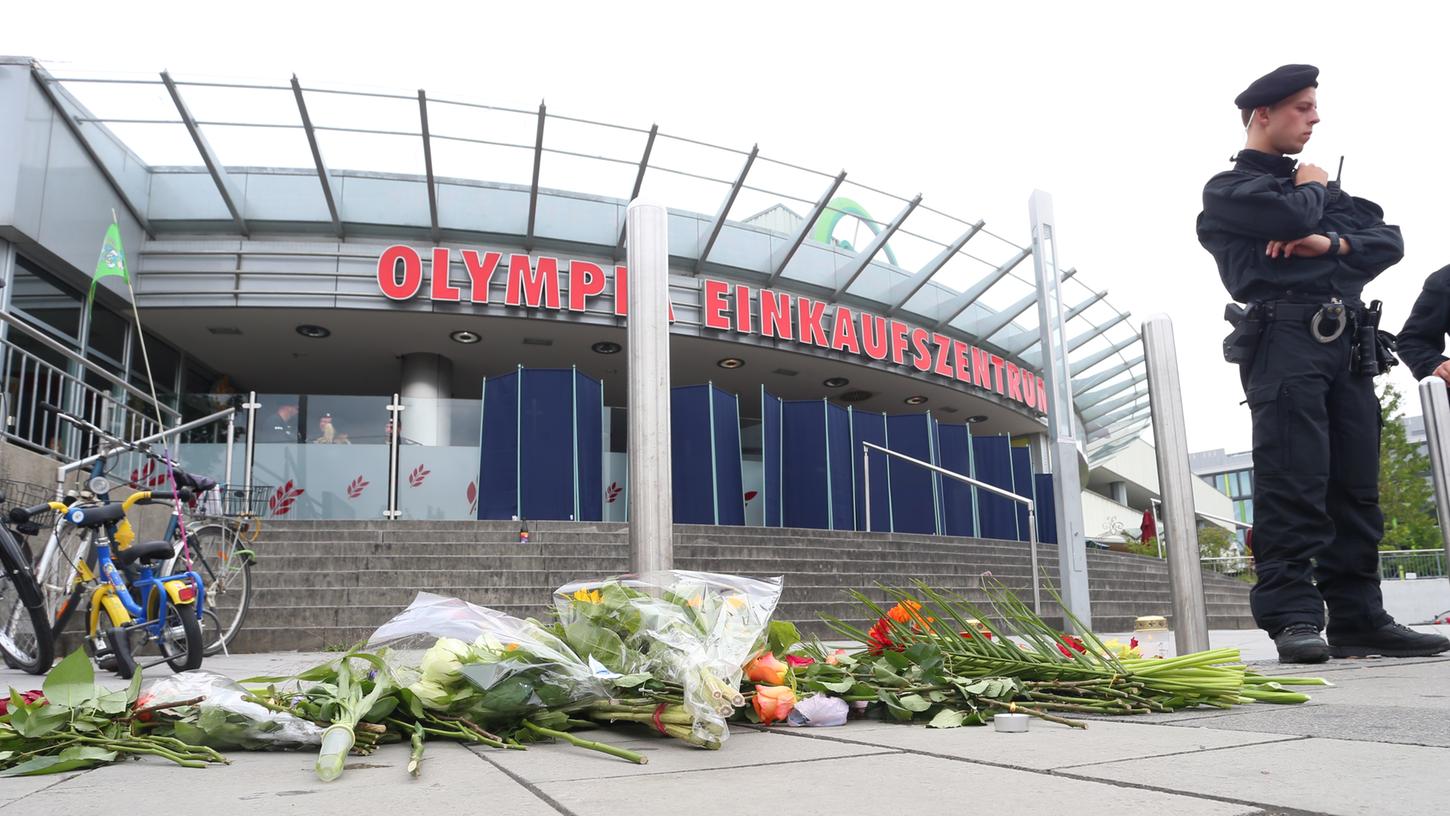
{"x": 1376, "y": 743}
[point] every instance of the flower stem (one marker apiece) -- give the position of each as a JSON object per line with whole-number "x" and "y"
{"x": 636, "y": 758}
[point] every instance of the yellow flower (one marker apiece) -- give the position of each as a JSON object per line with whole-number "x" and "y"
{"x": 1121, "y": 650}
{"x": 735, "y": 601}
{"x": 588, "y": 596}
{"x": 511, "y": 647}
{"x": 696, "y": 600}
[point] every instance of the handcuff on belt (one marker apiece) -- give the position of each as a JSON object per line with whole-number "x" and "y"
{"x": 1334, "y": 312}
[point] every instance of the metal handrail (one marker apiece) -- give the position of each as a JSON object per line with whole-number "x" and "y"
{"x": 867, "y": 447}
{"x": 70, "y": 467}
{"x": 74, "y": 357}
{"x": 1436, "y": 406}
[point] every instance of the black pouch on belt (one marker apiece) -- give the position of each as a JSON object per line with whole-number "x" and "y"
{"x": 1248, "y": 327}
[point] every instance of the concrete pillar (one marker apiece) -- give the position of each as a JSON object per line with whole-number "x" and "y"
{"x": 1118, "y": 492}
{"x": 427, "y": 381}
{"x": 651, "y": 501}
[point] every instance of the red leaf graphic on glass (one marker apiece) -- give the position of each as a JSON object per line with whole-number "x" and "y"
{"x": 472, "y": 494}
{"x": 750, "y": 494}
{"x": 418, "y": 475}
{"x": 281, "y": 502}
{"x": 613, "y": 491}
{"x": 142, "y": 475}
{"x": 356, "y": 487}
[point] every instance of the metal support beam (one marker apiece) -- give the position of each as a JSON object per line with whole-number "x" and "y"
{"x": 1098, "y": 379}
{"x": 865, "y": 256}
{"x": 1103, "y": 407}
{"x": 1082, "y": 339}
{"x": 322, "y": 175}
{"x": 43, "y": 80}
{"x": 428, "y": 167}
{"x": 649, "y": 145}
{"x": 1024, "y": 343}
{"x": 926, "y": 273}
{"x": 651, "y": 518}
{"x": 1062, "y": 435}
{"x": 1081, "y": 366}
{"x": 719, "y": 222}
{"x": 959, "y": 304}
{"x": 999, "y": 321}
{"x": 1175, "y": 482}
{"x": 1114, "y": 418}
{"x": 208, "y": 156}
{"x": 1092, "y": 398}
{"x": 1117, "y": 428}
{"x": 806, "y": 226}
{"x": 534, "y": 185}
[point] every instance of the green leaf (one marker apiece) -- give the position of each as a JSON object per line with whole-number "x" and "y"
{"x": 840, "y": 687}
{"x": 113, "y": 702}
{"x": 937, "y": 696}
{"x": 947, "y": 718}
{"x": 382, "y": 708}
{"x": 915, "y": 703}
{"x": 37, "y": 720}
{"x": 898, "y": 660}
{"x": 632, "y": 680}
{"x": 72, "y": 682}
{"x": 885, "y": 676}
{"x": 135, "y": 689}
{"x": 592, "y": 640}
{"x": 781, "y": 635}
{"x": 412, "y": 703}
{"x": 71, "y": 759}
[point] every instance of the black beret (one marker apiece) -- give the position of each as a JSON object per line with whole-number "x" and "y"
{"x": 1282, "y": 82}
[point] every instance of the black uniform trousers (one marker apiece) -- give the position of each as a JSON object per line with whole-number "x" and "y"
{"x": 1316, "y": 481}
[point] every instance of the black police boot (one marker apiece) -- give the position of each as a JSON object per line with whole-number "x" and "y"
{"x": 1300, "y": 643}
{"x": 1390, "y": 640}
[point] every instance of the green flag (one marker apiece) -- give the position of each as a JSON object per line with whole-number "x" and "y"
{"x": 112, "y": 261}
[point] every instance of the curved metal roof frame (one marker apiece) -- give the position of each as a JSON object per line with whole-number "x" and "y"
{"x": 989, "y": 296}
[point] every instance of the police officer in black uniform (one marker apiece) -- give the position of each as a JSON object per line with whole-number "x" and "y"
{"x": 1298, "y": 251}
{"x": 1422, "y": 340}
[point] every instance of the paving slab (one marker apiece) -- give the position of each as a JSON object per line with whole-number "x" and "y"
{"x": 744, "y": 748}
{"x": 872, "y": 785}
{"x": 1045, "y": 746}
{"x": 1406, "y": 725}
{"x": 453, "y": 779}
{"x": 1337, "y": 777}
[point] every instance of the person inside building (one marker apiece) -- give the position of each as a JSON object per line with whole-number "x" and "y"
{"x": 1298, "y": 250}
{"x": 1422, "y": 340}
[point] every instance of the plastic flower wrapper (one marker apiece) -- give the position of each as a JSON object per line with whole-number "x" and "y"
{"x": 691, "y": 629}
{"x": 459, "y": 658}
{"x": 819, "y": 711}
{"x": 225, "y": 718}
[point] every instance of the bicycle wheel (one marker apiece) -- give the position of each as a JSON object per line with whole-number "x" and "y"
{"x": 25, "y": 640}
{"x": 180, "y": 639}
{"x": 224, "y": 561}
{"x": 56, "y": 573}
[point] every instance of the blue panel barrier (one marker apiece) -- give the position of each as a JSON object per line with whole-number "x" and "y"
{"x": 771, "y": 455}
{"x": 498, "y": 461}
{"x": 871, "y": 427}
{"x": 913, "y": 489}
{"x": 805, "y": 496}
{"x": 693, "y": 474}
{"x": 1022, "y": 486}
{"x": 1046, "y": 509}
{"x": 729, "y": 485}
{"x": 992, "y": 459}
{"x": 546, "y": 443}
{"x": 958, "y": 509}
{"x": 589, "y": 408}
{"x": 838, "y": 454}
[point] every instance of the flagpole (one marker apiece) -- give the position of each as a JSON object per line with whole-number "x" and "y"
{"x": 156, "y": 404}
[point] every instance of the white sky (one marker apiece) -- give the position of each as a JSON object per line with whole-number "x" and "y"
{"x": 1121, "y": 111}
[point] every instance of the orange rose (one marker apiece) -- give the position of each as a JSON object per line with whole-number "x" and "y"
{"x": 773, "y": 703}
{"x": 766, "y": 669}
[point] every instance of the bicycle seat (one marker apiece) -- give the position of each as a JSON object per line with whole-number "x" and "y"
{"x": 146, "y": 551}
{"x": 96, "y": 515}
{"x": 197, "y": 483}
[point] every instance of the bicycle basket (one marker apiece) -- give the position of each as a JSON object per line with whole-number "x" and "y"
{"x": 237, "y": 500}
{"x": 27, "y": 494}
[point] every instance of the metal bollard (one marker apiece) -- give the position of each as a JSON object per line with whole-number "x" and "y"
{"x": 1436, "y": 406}
{"x": 1175, "y": 481}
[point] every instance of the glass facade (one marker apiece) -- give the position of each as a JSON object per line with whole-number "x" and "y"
{"x": 1238, "y": 485}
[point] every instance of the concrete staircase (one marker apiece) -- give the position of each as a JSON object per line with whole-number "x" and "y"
{"x": 328, "y": 584}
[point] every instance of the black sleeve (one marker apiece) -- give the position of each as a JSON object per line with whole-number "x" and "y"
{"x": 1375, "y": 246}
{"x": 1257, "y": 207}
{"x": 1422, "y": 340}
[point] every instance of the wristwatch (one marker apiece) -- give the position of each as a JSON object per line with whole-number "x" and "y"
{"x": 1334, "y": 242}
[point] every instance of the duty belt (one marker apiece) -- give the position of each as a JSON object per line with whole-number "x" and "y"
{"x": 1326, "y": 321}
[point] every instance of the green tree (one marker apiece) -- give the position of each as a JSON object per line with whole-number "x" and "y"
{"x": 1406, "y": 496}
{"x": 1215, "y": 541}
